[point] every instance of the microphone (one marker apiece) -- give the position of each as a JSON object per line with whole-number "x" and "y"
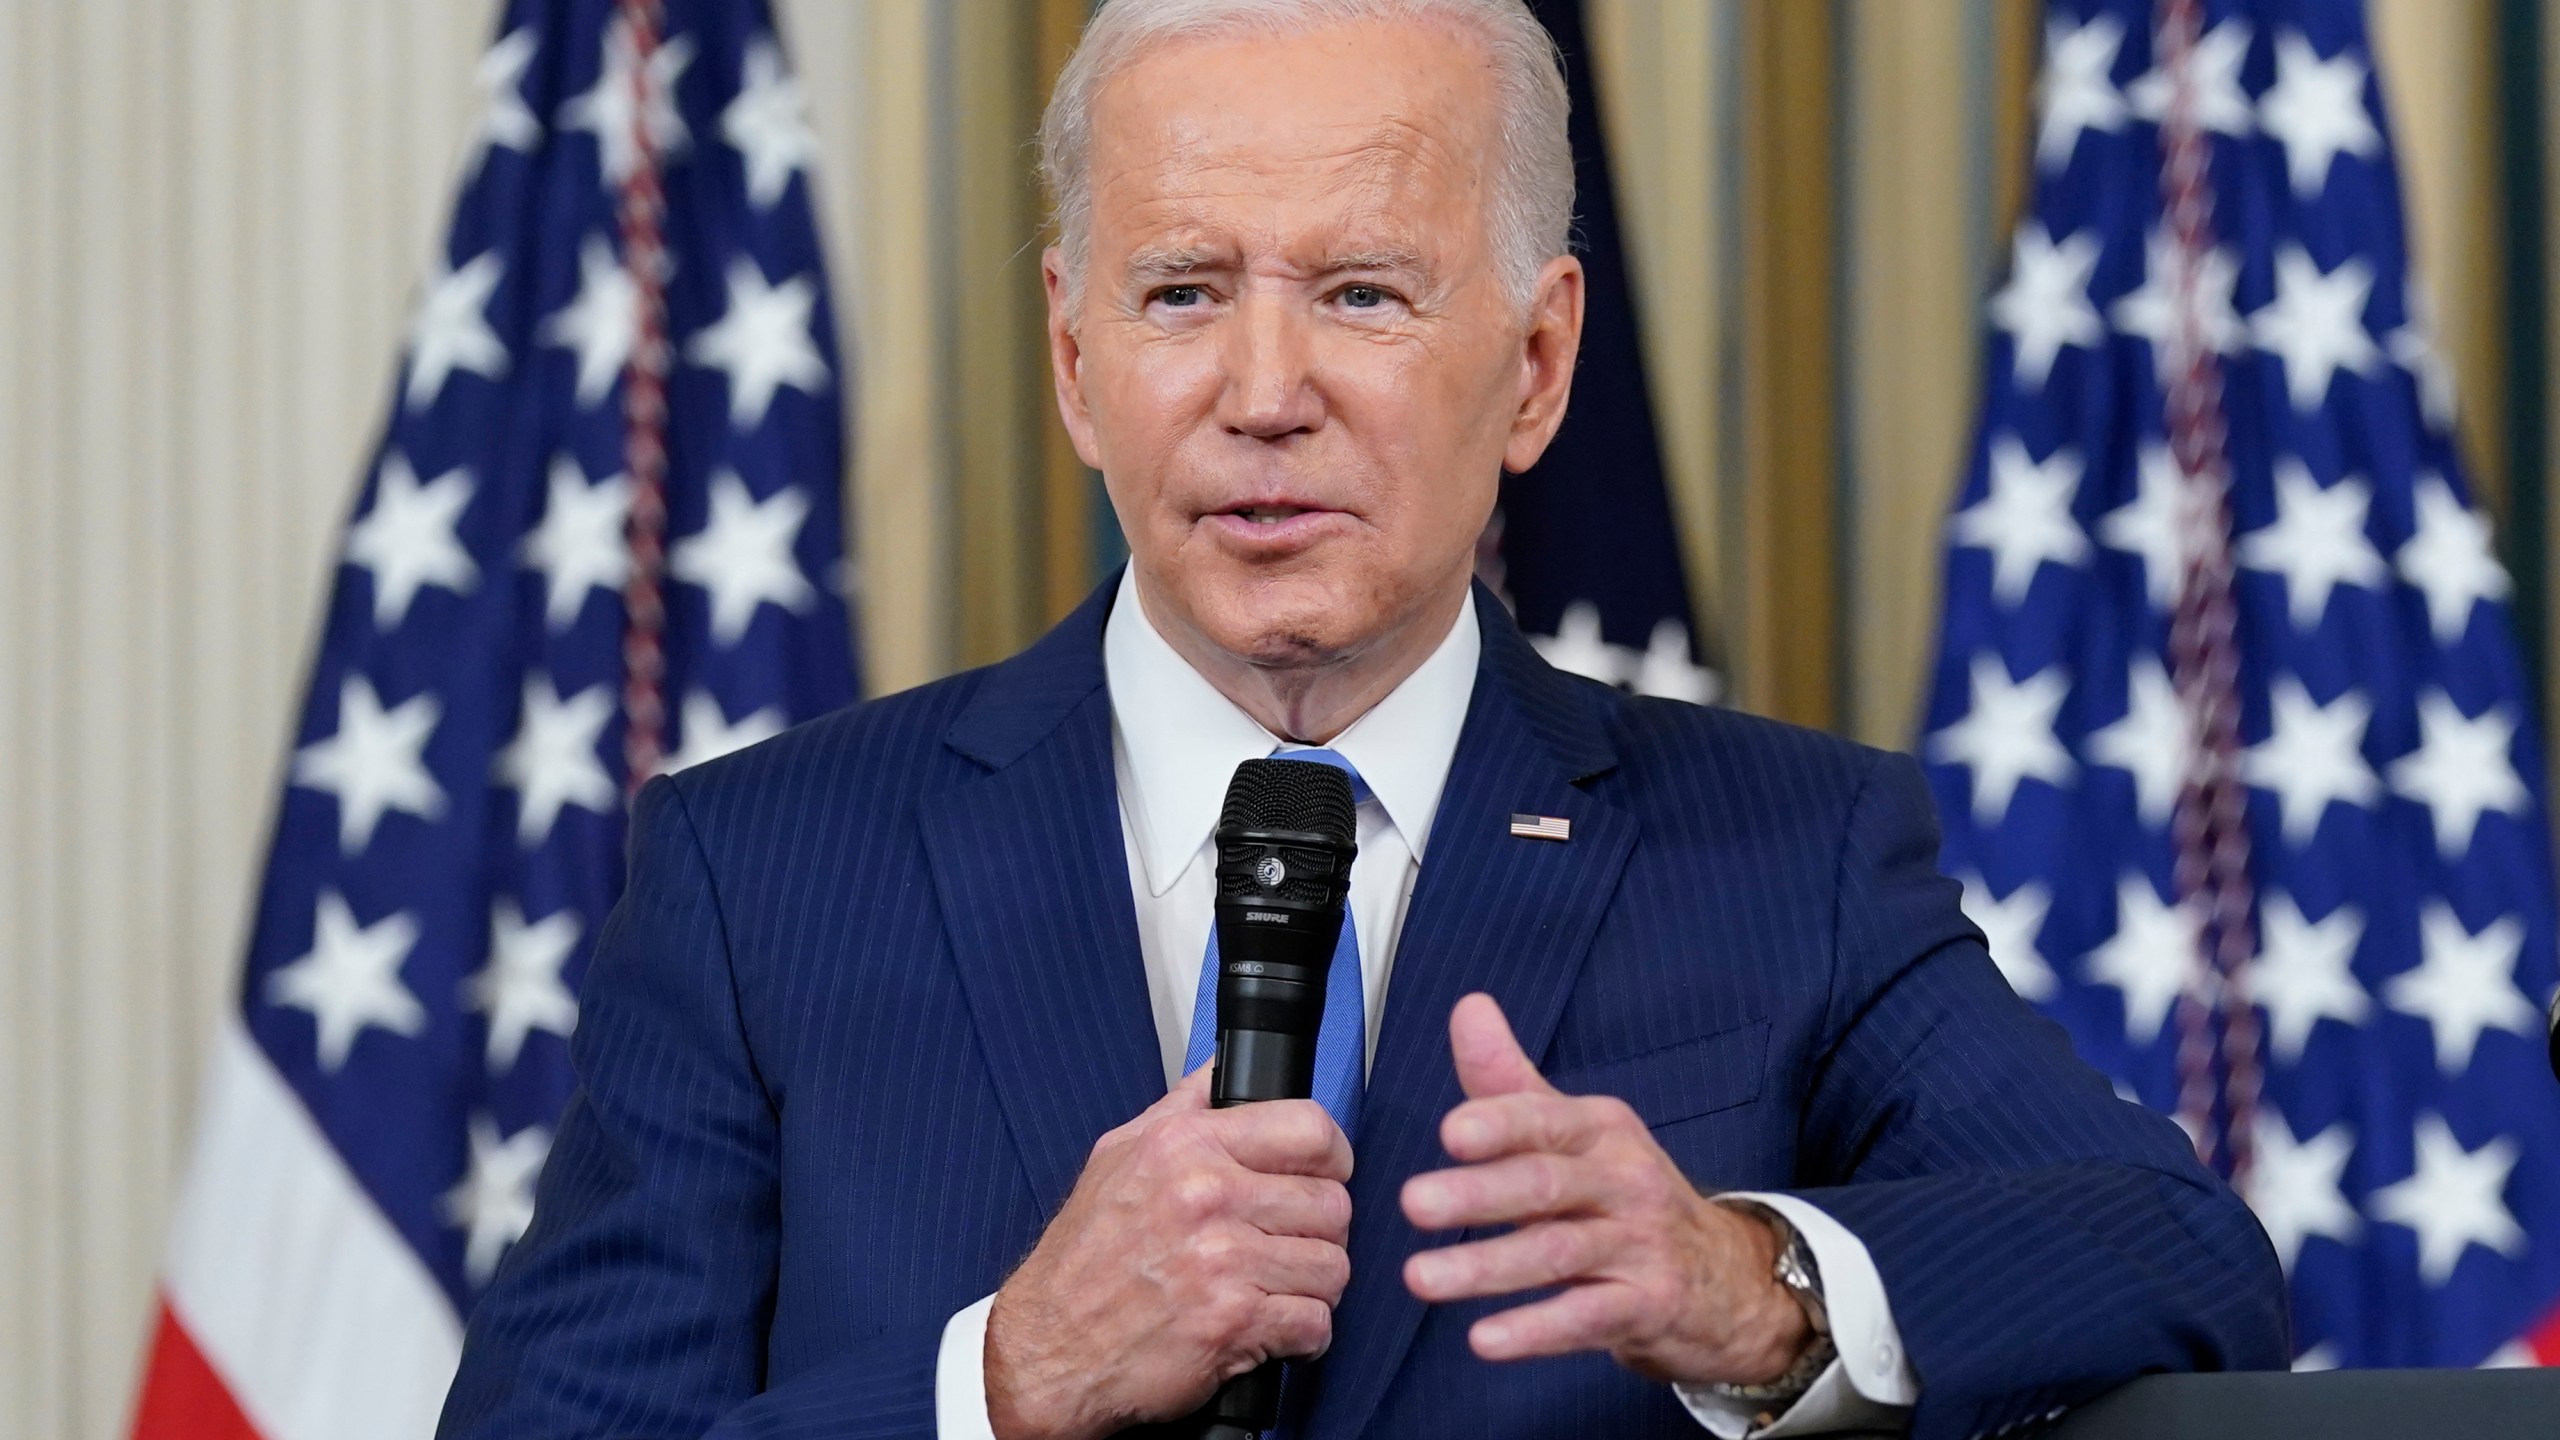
{"x": 2555, "y": 1034}
{"x": 1285, "y": 842}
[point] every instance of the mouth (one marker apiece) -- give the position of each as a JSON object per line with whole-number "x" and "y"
{"x": 1271, "y": 514}
{"x": 1274, "y": 527}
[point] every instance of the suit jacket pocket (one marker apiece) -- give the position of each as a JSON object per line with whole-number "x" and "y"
{"x": 1682, "y": 1081}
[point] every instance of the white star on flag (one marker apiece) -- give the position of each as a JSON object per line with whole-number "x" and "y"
{"x": 2159, "y": 314}
{"x": 582, "y": 544}
{"x": 768, "y": 124}
{"x": 2158, "y": 524}
{"x": 504, "y": 121}
{"x": 2317, "y": 542}
{"x": 406, "y": 538}
{"x": 2316, "y": 108}
{"x": 763, "y": 341}
{"x": 350, "y": 980}
{"x": 708, "y": 735}
{"x": 612, "y": 111}
{"x": 2293, "y": 1185}
{"x": 450, "y": 331}
{"x": 2448, "y": 559}
{"x": 1665, "y": 670}
{"x": 2045, "y": 305}
{"x": 2413, "y": 348}
{"x": 2218, "y": 101}
{"x": 2465, "y": 986}
{"x": 494, "y": 1202}
{"x": 2304, "y": 972}
{"x": 743, "y": 555}
{"x": 2024, "y": 516}
{"x": 2007, "y": 735}
{"x": 602, "y": 324}
{"x": 520, "y": 989}
{"x": 2074, "y": 93}
{"x": 375, "y": 763}
{"x": 1579, "y": 648}
{"x": 2155, "y": 742}
{"x": 552, "y": 761}
{"x": 2461, "y": 769}
{"x": 2151, "y": 958}
{"x": 2009, "y": 929}
{"x": 2315, "y": 324}
{"x": 2453, "y": 1200}
{"x": 2313, "y": 756}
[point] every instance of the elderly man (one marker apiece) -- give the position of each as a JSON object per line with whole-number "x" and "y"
{"x": 1701, "y": 1110}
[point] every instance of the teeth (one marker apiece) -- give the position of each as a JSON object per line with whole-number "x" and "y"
{"x": 1267, "y": 515}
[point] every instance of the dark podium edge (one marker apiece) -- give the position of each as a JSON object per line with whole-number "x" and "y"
{"x": 2331, "y": 1405}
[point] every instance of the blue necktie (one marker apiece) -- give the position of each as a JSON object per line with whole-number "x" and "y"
{"x": 1342, "y": 1039}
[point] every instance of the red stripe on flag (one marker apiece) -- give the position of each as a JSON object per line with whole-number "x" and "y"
{"x": 2545, "y": 1339}
{"x": 182, "y": 1399}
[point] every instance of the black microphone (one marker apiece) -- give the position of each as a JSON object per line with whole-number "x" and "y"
{"x": 1285, "y": 842}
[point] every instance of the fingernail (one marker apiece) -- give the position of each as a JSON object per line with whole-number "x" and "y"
{"x": 1466, "y": 1133}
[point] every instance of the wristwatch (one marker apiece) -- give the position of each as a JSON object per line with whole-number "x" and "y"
{"x": 1795, "y": 1270}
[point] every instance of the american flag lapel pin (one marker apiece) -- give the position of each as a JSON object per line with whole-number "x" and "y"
{"x": 1541, "y": 827}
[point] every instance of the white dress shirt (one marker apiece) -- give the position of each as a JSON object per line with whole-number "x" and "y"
{"x": 1175, "y": 743}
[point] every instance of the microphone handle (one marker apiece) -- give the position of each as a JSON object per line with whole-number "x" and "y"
{"x": 1254, "y": 1065}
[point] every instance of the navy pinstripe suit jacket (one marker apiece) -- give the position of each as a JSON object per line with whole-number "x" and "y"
{"x": 875, "y": 990}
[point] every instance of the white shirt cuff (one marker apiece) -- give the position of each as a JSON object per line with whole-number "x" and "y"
{"x": 1871, "y": 1385}
{"x": 960, "y": 1377}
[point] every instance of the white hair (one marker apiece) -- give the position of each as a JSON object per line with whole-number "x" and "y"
{"x": 1532, "y": 193}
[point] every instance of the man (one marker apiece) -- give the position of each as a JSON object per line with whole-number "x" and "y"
{"x": 1701, "y": 1106}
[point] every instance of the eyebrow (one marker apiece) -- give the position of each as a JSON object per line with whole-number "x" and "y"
{"x": 1160, "y": 262}
{"x": 1385, "y": 257}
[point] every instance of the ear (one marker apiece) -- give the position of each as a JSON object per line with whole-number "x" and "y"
{"x": 1066, "y": 359}
{"x": 1547, "y": 355}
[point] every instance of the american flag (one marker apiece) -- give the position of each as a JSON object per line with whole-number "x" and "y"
{"x": 2235, "y": 751}
{"x": 601, "y": 538}
{"x": 1584, "y": 547}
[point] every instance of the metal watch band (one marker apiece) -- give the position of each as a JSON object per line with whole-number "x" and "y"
{"x": 1802, "y": 1277}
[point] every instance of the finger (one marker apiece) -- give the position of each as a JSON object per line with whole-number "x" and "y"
{"x": 1287, "y": 1265}
{"x": 1551, "y": 1252}
{"x": 1509, "y": 1191}
{"x": 1297, "y": 1205}
{"x": 1291, "y": 1327}
{"x": 1586, "y": 1317}
{"x": 1285, "y": 1137}
{"x": 1502, "y": 1125}
{"x": 1191, "y": 1092}
{"x": 1490, "y": 1060}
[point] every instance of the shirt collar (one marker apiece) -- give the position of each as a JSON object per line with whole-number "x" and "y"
{"x": 1179, "y": 741}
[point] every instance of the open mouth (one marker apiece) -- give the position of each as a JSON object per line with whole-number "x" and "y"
{"x": 1268, "y": 514}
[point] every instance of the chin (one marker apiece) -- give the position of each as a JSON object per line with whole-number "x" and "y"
{"x": 1287, "y": 622}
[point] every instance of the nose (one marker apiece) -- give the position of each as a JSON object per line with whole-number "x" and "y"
{"x": 1270, "y": 391}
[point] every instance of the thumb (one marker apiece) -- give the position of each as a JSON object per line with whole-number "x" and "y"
{"x": 1191, "y": 1092}
{"x": 1490, "y": 1060}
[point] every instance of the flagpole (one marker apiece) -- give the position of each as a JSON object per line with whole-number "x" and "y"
{"x": 640, "y": 211}
{"x": 2211, "y": 824}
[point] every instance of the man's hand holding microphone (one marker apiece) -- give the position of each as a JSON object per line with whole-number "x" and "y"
{"x": 1199, "y": 1243}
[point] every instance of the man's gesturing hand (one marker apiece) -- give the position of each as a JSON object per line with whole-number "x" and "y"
{"x": 1196, "y": 1244}
{"x": 1673, "y": 1285}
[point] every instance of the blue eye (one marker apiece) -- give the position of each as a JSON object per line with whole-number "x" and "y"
{"x": 1363, "y": 297}
{"x": 1181, "y": 296}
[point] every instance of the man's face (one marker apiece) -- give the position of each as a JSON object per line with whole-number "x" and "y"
{"x": 1295, "y": 361}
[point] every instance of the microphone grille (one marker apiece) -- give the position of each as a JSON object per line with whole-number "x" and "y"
{"x": 1307, "y": 796}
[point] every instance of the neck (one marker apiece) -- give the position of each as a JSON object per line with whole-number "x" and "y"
{"x": 1311, "y": 704}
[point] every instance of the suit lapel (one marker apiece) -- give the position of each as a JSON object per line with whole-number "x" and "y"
{"x": 1508, "y": 916}
{"x": 1033, "y": 882}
